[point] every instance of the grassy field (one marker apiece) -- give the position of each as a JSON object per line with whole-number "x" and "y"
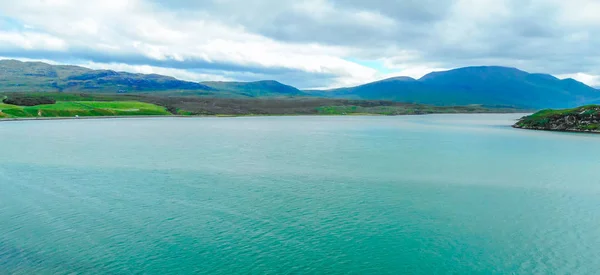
{"x": 83, "y": 108}
{"x": 86, "y": 104}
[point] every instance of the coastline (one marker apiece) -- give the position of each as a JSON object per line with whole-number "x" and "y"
{"x": 584, "y": 119}
{"x": 556, "y": 130}
{"x": 16, "y": 119}
{"x": 77, "y": 118}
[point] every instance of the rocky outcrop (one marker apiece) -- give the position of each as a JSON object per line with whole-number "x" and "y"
{"x": 582, "y": 119}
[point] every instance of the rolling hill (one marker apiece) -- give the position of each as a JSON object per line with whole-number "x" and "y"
{"x": 265, "y": 88}
{"x": 487, "y": 85}
{"x": 17, "y": 76}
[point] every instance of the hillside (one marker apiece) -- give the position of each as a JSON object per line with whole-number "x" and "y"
{"x": 581, "y": 119}
{"x": 486, "y": 86}
{"x": 82, "y": 109}
{"x": 491, "y": 86}
{"x": 265, "y": 88}
{"x": 17, "y": 76}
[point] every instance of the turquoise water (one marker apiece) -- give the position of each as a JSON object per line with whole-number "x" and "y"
{"x": 438, "y": 194}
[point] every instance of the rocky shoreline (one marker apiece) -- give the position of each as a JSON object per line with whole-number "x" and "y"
{"x": 584, "y": 119}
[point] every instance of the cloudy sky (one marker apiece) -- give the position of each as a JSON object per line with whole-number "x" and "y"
{"x": 308, "y": 44}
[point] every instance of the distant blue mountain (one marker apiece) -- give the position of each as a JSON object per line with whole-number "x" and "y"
{"x": 490, "y": 86}
{"x": 485, "y": 85}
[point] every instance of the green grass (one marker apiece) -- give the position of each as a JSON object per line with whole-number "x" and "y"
{"x": 591, "y": 127}
{"x": 90, "y": 104}
{"x": 83, "y": 108}
{"x": 545, "y": 118}
{"x": 184, "y": 113}
{"x": 583, "y": 110}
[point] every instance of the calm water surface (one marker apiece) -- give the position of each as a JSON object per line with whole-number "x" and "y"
{"x": 459, "y": 194}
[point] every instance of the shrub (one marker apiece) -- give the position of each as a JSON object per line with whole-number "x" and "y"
{"x": 28, "y": 100}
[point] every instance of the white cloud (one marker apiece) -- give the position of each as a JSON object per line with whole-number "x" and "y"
{"x": 52, "y": 62}
{"x": 146, "y": 69}
{"x": 308, "y": 42}
{"x": 591, "y": 80}
{"x": 414, "y": 72}
{"x": 31, "y": 41}
{"x": 582, "y": 13}
{"x": 139, "y": 28}
{"x": 141, "y": 69}
{"x": 326, "y": 11}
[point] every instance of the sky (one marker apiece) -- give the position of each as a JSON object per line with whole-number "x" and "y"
{"x": 309, "y": 43}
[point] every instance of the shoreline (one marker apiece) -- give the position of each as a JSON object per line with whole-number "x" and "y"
{"x": 556, "y": 130}
{"x": 15, "y": 119}
{"x": 583, "y": 119}
{"x": 78, "y": 118}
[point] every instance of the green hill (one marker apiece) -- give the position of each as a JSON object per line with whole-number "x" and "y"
{"x": 17, "y": 76}
{"x": 265, "y": 88}
{"x": 581, "y": 119}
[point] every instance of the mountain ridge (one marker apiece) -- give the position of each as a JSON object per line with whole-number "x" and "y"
{"x": 488, "y": 85}
{"x": 18, "y": 76}
{"x": 483, "y": 85}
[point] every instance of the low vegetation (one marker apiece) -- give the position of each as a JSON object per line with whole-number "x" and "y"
{"x": 405, "y": 109}
{"x": 23, "y": 100}
{"x": 84, "y": 104}
{"x": 79, "y": 108}
{"x": 581, "y": 119}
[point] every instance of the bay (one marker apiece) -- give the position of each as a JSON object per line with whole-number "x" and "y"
{"x": 435, "y": 194}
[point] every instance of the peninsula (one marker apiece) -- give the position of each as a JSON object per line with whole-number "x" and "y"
{"x": 581, "y": 119}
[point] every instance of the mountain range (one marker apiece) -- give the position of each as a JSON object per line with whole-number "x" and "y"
{"x": 484, "y": 85}
{"x": 487, "y": 85}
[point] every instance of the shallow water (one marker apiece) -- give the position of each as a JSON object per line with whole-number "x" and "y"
{"x": 460, "y": 194}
